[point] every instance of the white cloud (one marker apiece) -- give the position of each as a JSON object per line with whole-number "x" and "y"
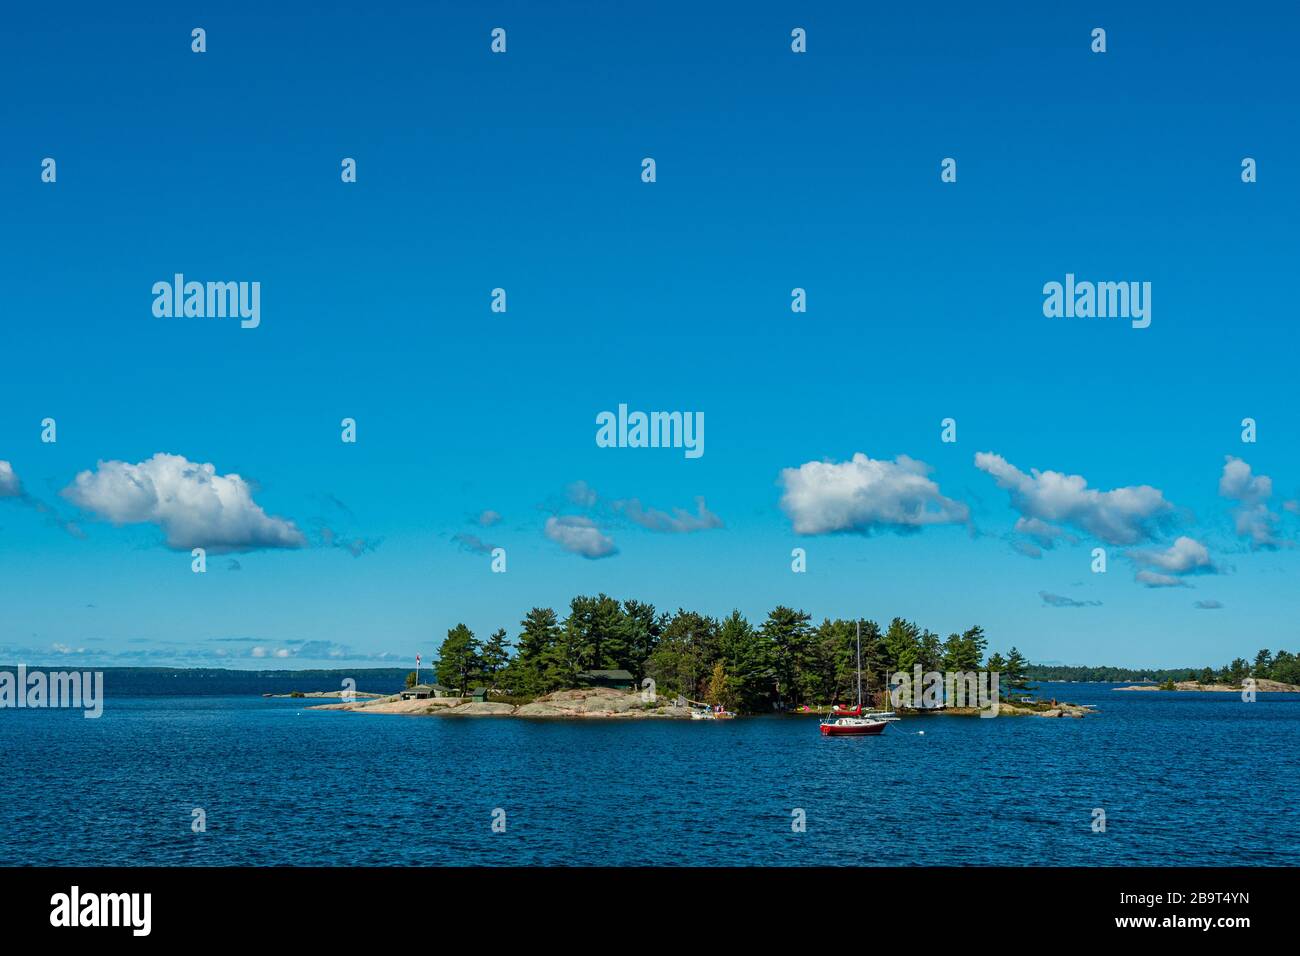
{"x": 1252, "y": 516}
{"x": 680, "y": 521}
{"x": 1184, "y": 556}
{"x": 1153, "y": 579}
{"x": 488, "y": 518}
{"x": 10, "y": 486}
{"x": 1120, "y": 516}
{"x": 864, "y": 494}
{"x": 579, "y": 535}
{"x": 194, "y": 505}
{"x": 1042, "y": 532}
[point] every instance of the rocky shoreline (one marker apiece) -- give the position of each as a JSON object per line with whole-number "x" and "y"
{"x": 606, "y": 703}
{"x": 583, "y": 703}
{"x": 1263, "y": 685}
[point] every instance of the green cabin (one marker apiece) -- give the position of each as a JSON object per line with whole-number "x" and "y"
{"x": 617, "y": 680}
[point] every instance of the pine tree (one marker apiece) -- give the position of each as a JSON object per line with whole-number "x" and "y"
{"x": 1013, "y": 673}
{"x": 902, "y": 645}
{"x": 787, "y": 630}
{"x": 458, "y": 660}
{"x": 640, "y": 634}
{"x": 535, "y": 670}
{"x": 748, "y": 658}
{"x": 495, "y": 656}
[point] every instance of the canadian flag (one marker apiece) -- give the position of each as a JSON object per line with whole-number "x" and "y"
{"x": 417, "y": 660}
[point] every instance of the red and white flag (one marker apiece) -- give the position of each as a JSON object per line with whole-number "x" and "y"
{"x": 417, "y": 660}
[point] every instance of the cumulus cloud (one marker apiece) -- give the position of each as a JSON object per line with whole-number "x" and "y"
{"x": 579, "y": 535}
{"x": 1184, "y": 556}
{"x": 680, "y": 521}
{"x": 864, "y": 495}
{"x": 1046, "y": 535}
{"x": 10, "y": 486}
{"x": 488, "y": 518}
{"x": 1207, "y": 605}
{"x": 1252, "y": 516}
{"x": 190, "y": 502}
{"x": 1060, "y": 600}
{"x": 1046, "y": 498}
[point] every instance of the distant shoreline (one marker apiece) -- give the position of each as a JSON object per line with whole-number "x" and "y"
{"x": 1262, "y": 685}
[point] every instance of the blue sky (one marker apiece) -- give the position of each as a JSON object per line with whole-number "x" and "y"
{"x": 522, "y": 171}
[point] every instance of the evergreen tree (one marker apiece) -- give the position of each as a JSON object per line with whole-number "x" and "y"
{"x": 902, "y": 645}
{"x": 595, "y": 634}
{"x": 1013, "y": 673}
{"x": 536, "y": 667}
{"x": 684, "y": 655}
{"x": 1263, "y": 664}
{"x": 458, "y": 660}
{"x": 494, "y": 656}
{"x": 747, "y": 655}
{"x": 640, "y": 634}
{"x": 787, "y": 630}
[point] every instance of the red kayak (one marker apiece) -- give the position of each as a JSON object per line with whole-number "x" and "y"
{"x": 851, "y": 727}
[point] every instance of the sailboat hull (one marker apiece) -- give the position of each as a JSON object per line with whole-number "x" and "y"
{"x": 864, "y": 728}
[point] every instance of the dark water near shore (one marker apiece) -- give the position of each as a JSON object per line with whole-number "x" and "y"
{"x": 1186, "y": 778}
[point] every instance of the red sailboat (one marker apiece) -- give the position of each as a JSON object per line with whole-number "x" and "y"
{"x": 848, "y": 721}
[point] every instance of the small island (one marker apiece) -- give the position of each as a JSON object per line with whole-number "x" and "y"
{"x": 625, "y": 660}
{"x": 1271, "y": 674}
{"x": 1262, "y": 685}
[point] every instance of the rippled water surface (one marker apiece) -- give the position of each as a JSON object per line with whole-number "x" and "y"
{"x": 1185, "y": 778}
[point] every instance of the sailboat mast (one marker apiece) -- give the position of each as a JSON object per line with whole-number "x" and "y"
{"x": 859, "y": 664}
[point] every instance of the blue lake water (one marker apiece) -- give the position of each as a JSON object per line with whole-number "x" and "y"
{"x": 1184, "y": 778}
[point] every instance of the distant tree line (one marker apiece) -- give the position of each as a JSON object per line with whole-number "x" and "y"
{"x": 1283, "y": 666}
{"x": 784, "y": 662}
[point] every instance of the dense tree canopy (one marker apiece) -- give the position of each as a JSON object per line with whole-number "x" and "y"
{"x": 783, "y": 662}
